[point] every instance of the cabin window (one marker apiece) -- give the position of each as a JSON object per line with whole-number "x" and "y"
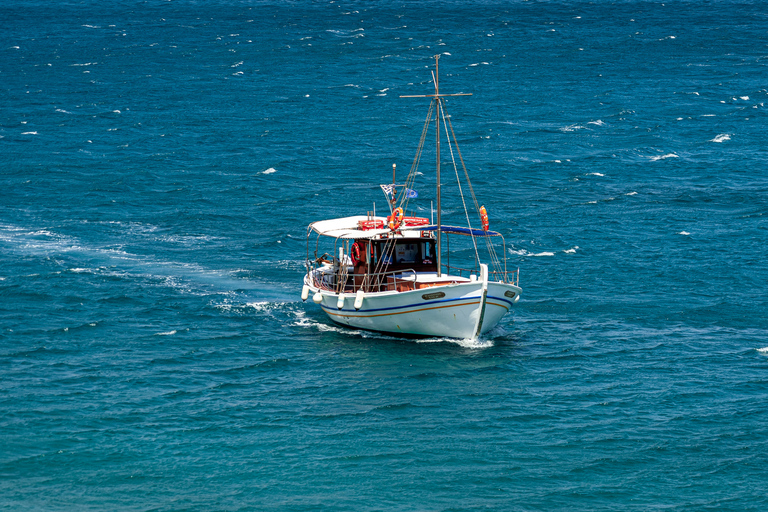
{"x": 427, "y": 253}
{"x": 406, "y": 253}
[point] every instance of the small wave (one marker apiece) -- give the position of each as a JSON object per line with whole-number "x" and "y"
{"x": 523, "y": 252}
{"x": 763, "y": 350}
{"x": 721, "y": 138}
{"x": 597, "y": 123}
{"x": 663, "y": 157}
{"x": 684, "y": 233}
{"x": 29, "y": 133}
{"x": 571, "y": 128}
{"x": 745, "y": 98}
{"x": 63, "y": 111}
{"x": 269, "y": 171}
{"x": 631, "y": 194}
{"x": 465, "y": 342}
{"x": 258, "y": 306}
{"x": 595, "y": 174}
{"x": 169, "y": 333}
{"x": 571, "y": 250}
{"x": 85, "y": 64}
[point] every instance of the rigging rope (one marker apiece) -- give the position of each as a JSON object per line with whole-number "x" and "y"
{"x": 458, "y": 181}
{"x": 495, "y": 261}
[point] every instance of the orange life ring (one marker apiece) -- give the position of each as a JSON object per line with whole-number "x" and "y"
{"x": 396, "y": 218}
{"x": 484, "y": 218}
{"x": 354, "y": 253}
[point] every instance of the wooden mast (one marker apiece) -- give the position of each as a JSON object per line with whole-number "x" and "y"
{"x": 437, "y": 97}
{"x": 437, "y": 151}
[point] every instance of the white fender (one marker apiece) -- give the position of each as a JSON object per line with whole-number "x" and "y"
{"x": 317, "y": 298}
{"x": 340, "y": 302}
{"x": 359, "y": 299}
{"x": 304, "y": 292}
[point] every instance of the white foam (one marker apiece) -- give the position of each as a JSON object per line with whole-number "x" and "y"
{"x": 685, "y": 233}
{"x": 85, "y": 64}
{"x": 572, "y": 250}
{"x": 258, "y": 306}
{"x": 597, "y": 123}
{"x": 523, "y": 252}
{"x": 169, "y": 333}
{"x": 663, "y": 157}
{"x": 465, "y": 342}
{"x": 721, "y": 138}
{"x": 269, "y": 171}
{"x": 595, "y": 174}
{"x": 745, "y": 98}
{"x": 763, "y": 350}
{"x": 62, "y": 111}
{"x": 29, "y": 133}
{"x": 631, "y": 194}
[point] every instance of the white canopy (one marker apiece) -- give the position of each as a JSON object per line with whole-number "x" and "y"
{"x": 347, "y": 227}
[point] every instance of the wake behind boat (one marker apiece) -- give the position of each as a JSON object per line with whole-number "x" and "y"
{"x": 387, "y": 273}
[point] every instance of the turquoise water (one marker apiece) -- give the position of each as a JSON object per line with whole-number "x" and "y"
{"x": 160, "y": 162}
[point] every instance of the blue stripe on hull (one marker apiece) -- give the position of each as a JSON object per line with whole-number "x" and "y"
{"x": 420, "y": 304}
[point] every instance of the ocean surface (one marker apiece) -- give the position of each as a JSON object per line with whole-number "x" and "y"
{"x": 160, "y": 162}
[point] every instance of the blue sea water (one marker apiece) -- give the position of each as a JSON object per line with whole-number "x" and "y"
{"x": 159, "y": 164}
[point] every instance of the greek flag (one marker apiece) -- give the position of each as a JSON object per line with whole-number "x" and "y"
{"x": 409, "y": 193}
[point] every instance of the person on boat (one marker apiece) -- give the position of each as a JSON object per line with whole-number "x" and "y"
{"x": 358, "y": 252}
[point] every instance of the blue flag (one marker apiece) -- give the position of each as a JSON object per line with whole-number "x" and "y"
{"x": 409, "y": 192}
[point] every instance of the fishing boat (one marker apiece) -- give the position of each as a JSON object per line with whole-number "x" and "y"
{"x": 394, "y": 274}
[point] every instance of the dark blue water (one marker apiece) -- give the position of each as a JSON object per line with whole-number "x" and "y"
{"x": 159, "y": 164}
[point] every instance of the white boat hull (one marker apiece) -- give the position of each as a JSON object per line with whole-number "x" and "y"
{"x": 453, "y": 310}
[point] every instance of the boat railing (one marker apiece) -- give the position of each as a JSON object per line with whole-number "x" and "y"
{"x": 338, "y": 282}
{"x": 510, "y": 277}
